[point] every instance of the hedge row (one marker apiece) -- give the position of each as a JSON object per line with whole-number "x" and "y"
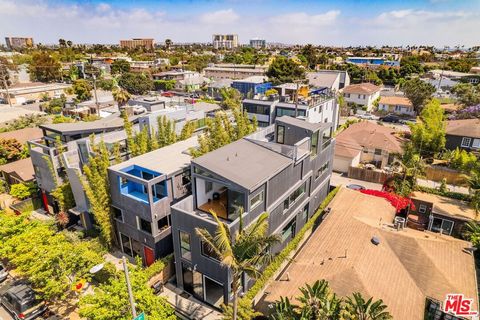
{"x": 292, "y": 245}
{"x": 448, "y": 194}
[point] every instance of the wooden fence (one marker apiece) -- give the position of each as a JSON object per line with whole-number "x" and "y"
{"x": 375, "y": 176}
{"x": 437, "y": 173}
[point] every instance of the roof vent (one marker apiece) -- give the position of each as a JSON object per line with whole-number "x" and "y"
{"x": 375, "y": 241}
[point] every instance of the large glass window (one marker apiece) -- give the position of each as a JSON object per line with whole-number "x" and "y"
{"x": 236, "y": 203}
{"x": 326, "y": 138}
{"x": 290, "y": 201}
{"x": 213, "y": 292}
{"x": 314, "y": 144}
{"x": 144, "y": 225}
{"x": 126, "y": 244}
{"x": 117, "y": 214}
{"x": 163, "y": 223}
{"x": 280, "y": 134}
{"x": 185, "y": 245}
{"x": 288, "y": 232}
{"x": 207, "y": 251}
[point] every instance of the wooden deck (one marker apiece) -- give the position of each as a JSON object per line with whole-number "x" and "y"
{"x": 218, "y": 206}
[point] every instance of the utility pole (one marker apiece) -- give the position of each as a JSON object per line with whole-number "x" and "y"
{"x": 129, "y": 287}
{"x": 95, "y": 91}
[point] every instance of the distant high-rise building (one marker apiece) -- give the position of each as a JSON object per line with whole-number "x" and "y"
{"x": 225, "y": 41}
{"x": 18, "y": 42}
{"x": 258, "y": 43}
{"x": 147, "y": 43}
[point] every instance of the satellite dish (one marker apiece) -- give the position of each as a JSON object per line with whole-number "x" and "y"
{"x": 97, "y": 268}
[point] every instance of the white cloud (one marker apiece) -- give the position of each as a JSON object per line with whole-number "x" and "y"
{"x": 106, "y": 23}
{"x": 302, "y": 19}
{"x": 227, "y": 16}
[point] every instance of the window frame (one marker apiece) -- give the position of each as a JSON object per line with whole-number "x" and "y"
{"x": 139, "y": 226}
{"x": 254, "y": 205}
{"x": 121, "y": 214}
{"x": 422, "y": 208}
{"x": 202, "y": 252}
{"x": 182, "y": 248}
{"x": 282, "y": 135}
{"x": 467, "y": 145}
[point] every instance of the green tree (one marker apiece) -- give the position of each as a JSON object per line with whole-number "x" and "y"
{"x": 129, "y": 131}
{"x": 284, "y": 70}
{"x": 121, "y": 96}
{"x": 187, "y": 130}
{"x": 164, "y": 84}
{"x": 360, "y": 309}
{"x": 56, "y": 105}
{"x": 97, "y": 188}
{"x": 12, "y": 150}
{"x": 110, "y": 300}
{"x": 467, "y": 93}
{"x": 120, "y": 66}
{"x": 135, "y": 83}
{"x": 242, "y": 252}
{"x": 22, "y": 190}
{"x": 44, "y": 67}
{"x": 418, "y": 92}
{"x": 168, "y": 43}
{"x": 231, "y": 98}
{"x": 428, "y": 136}
{"x": 82, "y": 89}
{"x": 317, "y": 301}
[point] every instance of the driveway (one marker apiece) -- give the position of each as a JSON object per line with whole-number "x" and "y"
{"x": 338, "y": 179}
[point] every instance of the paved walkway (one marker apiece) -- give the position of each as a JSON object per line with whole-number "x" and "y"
{"x": 189, "y": 307}
{"x": 338, "y": 179}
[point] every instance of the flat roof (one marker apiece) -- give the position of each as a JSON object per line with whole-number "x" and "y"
{"x": 110, "y": 122}
{"x": 244, "y": 162}
{"x": 252, "y": 79}
{"x": 303, "y": 123}
{"x": 403, "y": 270}
{"x": 167, "y": 160}
{"x": 447, "y": 206}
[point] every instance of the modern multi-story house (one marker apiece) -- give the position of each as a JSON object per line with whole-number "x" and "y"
{"x": 252, "y": 85}
{"x": 319, "y": 106}
{"x": 142, "y": 190}
{"x": 335, "y": 80}
{"x": 284, "y": 169}
{"x": 225, "y": 41}
{"x": 146, "y": 43}
{"x": 18, "y": 42}
{"x": 362, "y": 94}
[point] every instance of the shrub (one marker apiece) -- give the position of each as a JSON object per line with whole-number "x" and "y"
{"x": 448, "y": 194}
{"x": 22, "y": 191}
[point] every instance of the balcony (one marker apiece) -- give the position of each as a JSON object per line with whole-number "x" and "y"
{"x": 142, "y": 184}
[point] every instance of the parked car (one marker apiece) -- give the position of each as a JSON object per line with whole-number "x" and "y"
{"x": 390, "y": 118}
{"x": 21, "y": 301}
{"x": 356, "y": 187}
{"x": 408, "y": 121}
{"x": 368, "y": 116}
{"x": 29, "y": 102}
{"x": 3, "y": 273}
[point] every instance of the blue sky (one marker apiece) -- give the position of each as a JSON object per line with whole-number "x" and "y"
{"x": 360, "y": 22}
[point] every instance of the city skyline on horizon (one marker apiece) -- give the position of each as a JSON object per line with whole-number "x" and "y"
{"x": 436, "y": 23}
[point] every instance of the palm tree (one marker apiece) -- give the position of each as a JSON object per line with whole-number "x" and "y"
{"x": 121, "y": 96}
{"x": 168, "y": 43}
{"x": 243, "y": 253}
{"x": 317, "y": 302}
{"x": 358, "y": 309}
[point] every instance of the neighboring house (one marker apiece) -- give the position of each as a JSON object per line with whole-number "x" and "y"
{"x": 366, "y": 142}
{"x": 440, "y": 214}
{"x": 19, "y": 171}
{"x": 252, "y": 85}
{"x": 175, "y": 75}
{"x": 411, "y": 271}
{"x": 332, "y": 79}
{"x": 22, "y": 135}
{"x": 284, "y": 169}
{"x": 292, "y": 90}
{"x": 463, "y": 134}
{"x": 363, "y": 94}
{"x": 215, "y": 87}
{"x": 33, "y": 91}
{"x": 191, "y": 84}
{"x": 233, "y": 71}
{"x": 396, "y": 104}
{"x": 142, "y": 190}
{"x": 319, "y": 106}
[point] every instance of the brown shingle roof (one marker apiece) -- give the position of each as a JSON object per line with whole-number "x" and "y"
{"x": 404, "y": 269}
{"x": 447, "y": 206}
{"x": 394, "y": 100}
{"x": 362, "y": 88}
{"x": 23, "y": 169}
{"x": 23, "y": 135}
{"x": 366, "y": 134}
{"x": 464, "y": 128}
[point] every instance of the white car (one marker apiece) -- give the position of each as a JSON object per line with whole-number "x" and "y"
{"x": 368, "y": 116}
